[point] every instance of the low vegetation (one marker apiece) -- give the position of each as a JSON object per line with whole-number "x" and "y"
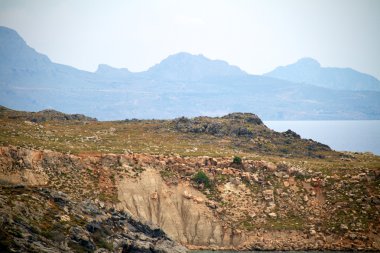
{"x": 237, "y": 160}
{"x": 201, "y": 178}
{"x": 164, "y": 138}
{"x": 242, "y": 135}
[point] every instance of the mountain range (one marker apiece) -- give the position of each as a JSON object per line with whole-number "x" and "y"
{"x": 183, "y": 85}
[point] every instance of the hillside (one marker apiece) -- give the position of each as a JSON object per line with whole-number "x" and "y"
{"x": 41, "y": 116}
{"x": 108, "y": 186}
{"x": 29, "y": 80}
{"x": 241, "y": 133}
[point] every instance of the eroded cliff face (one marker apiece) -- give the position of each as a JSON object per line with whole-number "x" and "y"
{"x": 180, "y": 210}
{"x": 21, "y": 166}
{"x": 255, "y": 205}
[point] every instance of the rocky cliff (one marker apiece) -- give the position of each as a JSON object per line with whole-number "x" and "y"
{"x": 52, "y": 201}
{"x": 36, "y": 216}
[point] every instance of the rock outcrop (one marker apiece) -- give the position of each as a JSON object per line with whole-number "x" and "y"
{"x": 233, "y": 124}
{"x": 42, "y": 220}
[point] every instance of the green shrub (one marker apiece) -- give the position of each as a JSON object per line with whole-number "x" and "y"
{"x": 201, "y": 178}
{"x": 237, "y": 160}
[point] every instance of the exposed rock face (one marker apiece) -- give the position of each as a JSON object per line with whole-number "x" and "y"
{"x": 245, "y": 117}
{"x": 261, "y": 205}
{"x": 55, "y": 223}
{"x": 232, "y": 124}
{"x": 18, "y": 166}
{"x": 290, "y": 133}
{"x": 179, "y": 210}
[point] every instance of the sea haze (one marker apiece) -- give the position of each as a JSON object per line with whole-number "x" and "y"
{"x": 343, "y": 135}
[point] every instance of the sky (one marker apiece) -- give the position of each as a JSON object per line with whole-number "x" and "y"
{"x": 256, "y": 35}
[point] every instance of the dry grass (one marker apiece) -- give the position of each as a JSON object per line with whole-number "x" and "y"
{"x": 159, "y": 137}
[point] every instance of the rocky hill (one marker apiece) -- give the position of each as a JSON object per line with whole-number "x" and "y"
{"x": 206, "y": 183}
{"x": 41, "y": 116}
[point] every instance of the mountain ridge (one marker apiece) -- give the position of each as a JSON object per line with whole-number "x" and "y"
{"x": 180, "y": 85}
{"x": 308, "y": 70}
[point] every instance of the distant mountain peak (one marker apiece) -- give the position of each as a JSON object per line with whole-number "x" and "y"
{"x": 8, "y": 35}
{"x": 108, "y": 68}
{"x": 309, "y": 71}
{"x": 15, "y": 54}
{"x": 106, "y": 71}
{"x": 103, "y": 66}
{"x": 186, "y": 66}
{"x": 183, "y": 58}
{"x": 8, "y": 31}
{"x": 185, "y": 55}
{"x": 308, "y": 62}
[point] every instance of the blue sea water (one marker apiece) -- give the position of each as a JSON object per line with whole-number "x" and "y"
{"x": 344, "y": 135}
{"x": 229, "y": 251}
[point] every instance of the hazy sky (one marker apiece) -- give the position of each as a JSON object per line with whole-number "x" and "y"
{"x": 256, "y": 35}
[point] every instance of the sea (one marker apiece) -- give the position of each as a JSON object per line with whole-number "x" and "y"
{"x": 228, "y": 251}
{"x": 341, "y": 135}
